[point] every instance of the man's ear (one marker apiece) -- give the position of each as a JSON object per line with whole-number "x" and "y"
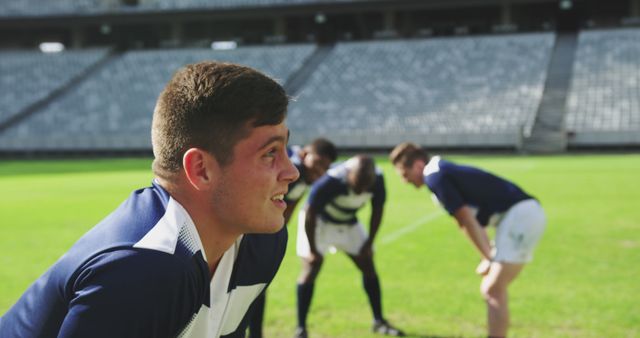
{"x": 200, "y": 168}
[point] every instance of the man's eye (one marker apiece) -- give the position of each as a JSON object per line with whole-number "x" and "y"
{"x": 271, "y": 153}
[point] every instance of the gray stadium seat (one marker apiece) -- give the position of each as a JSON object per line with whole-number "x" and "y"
{"x": 35, "y": 8}
{"x": 447, "y": 91}
{"x": 113, "y": 108}
{"x": 604, "y": 100}
{"x": 29, "y": 76}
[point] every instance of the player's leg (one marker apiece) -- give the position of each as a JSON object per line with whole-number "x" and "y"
{"x": 352, "y": 241}
{"x": 494, "y": 289}
{"x": 370, "y": 283}
{"x": 255, "y": 323}
{"x": 304, "y": 290}
{"x": 310, "y": 269}
{"x": 516, "y": 237}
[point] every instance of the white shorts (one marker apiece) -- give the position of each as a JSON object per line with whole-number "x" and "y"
{"x": 518, "y": 232}
{"x": 329, "y": 236}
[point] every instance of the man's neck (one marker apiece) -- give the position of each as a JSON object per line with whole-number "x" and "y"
{"x": 216, "y": 239}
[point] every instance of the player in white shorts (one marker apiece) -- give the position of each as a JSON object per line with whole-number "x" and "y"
{"x": 477, "y": 199}
{"x": 312, "y": 161}
{"x": 329, "y": 220}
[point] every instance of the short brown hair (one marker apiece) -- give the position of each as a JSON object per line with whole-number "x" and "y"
{"x": 407, "y": 153}
{"x": 211, "y": 105}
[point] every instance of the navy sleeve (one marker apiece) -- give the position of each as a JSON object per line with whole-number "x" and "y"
{"x": 324, "y": 190}
{"x": 379, "y": 192}
{"x": 132, "y": 293}
{"x": 447, "y": 193}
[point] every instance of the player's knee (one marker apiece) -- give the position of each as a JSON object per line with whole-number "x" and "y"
{"x": 309, "y": 273}
{"x": 366, "y": 266}
{"x": 490, "y": 290}
{"x": 306, "y": 277}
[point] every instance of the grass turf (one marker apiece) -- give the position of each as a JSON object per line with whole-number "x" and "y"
{"x": 583, "y": 281}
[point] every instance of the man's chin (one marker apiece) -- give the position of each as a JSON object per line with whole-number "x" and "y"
{"x": 273, "y": 227}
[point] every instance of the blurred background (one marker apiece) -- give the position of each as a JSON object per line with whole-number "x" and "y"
{"x": 543, "y": 92}
{"x": 82, "y": 76}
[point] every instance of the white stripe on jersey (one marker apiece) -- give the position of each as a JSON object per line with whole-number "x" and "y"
{"x": 298, "y": 190}
{"x": 432, "y": 167}
{"x": 164, "y": 235}
{"x": 227, "y": 308}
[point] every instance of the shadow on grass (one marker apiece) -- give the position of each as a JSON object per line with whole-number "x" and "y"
{"x": 417, "y": 335}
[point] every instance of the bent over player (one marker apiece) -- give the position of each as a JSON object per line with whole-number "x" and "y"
{"x": 329, "y": 220}
{"x": 476, "y": 199}
{"x": 312, "y": 161}
{"x": 186, "y": 256}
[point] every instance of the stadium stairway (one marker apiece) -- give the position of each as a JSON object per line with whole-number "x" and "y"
{"x": 548, "y": 133}
{"x": 298, "y": 79}
{"x": 55, "y": 94}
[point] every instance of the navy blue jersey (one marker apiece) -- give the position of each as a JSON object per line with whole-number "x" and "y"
{"x": 457, "y": 185}
{"x": 142, "y": 272}
{"x": 336, "y": 202}
{"x": 298, "y": 187}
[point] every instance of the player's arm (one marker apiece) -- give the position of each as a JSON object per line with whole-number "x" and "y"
{"x": 310, "y": 220}
{"x": 322, "y": 191}
{"x": 473, "y": 230}
{"x": 374, "y": 225}
{"x": 291, "y": 205}
{"x": 451, "y": 199}
{"x": 377, "y": 208}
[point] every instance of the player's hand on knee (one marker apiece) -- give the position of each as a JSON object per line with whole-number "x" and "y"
{"x": 483, "y": 268}
{"x": 315, "y": 257}
{"x": 366, "y": 250}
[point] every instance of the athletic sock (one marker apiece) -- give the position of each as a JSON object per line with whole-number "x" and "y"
{"x": 372, "y": 287}
{"x": 305, "y": 292}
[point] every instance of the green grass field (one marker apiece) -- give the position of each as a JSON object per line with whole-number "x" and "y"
{"x": 583, "y": 282}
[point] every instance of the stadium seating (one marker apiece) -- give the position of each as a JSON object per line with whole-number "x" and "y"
{"x": 17, "y": 8}
{"x": 29, "y": 76}
{"x": 604, "y": 100}
{"x": 462, "y": 91}
{"x": 35, "y": 8}
{"x": 112, "y": 109}
{"x": 445, "y": 92}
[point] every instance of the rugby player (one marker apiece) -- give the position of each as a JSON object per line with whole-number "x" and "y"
{"x": 477, "y": 199}
{"x": 188, "y": 255}
{"x": 329, "y": 221}
{"x": 312, "y": 161}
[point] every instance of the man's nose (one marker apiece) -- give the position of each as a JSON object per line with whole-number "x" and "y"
{"x": 290, "y": 172}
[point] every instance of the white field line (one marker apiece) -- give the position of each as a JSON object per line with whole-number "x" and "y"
{"x": 410, "y": 227}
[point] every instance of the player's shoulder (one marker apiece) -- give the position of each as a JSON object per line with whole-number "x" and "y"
{"x": 139, "y": 267}
{"x": 338, "y": 170}
{"x": 131, "y": 286}
{"x": 435, "y": 166}
{"x": 336, "y": 175}
{"x": 293, "y": 151}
